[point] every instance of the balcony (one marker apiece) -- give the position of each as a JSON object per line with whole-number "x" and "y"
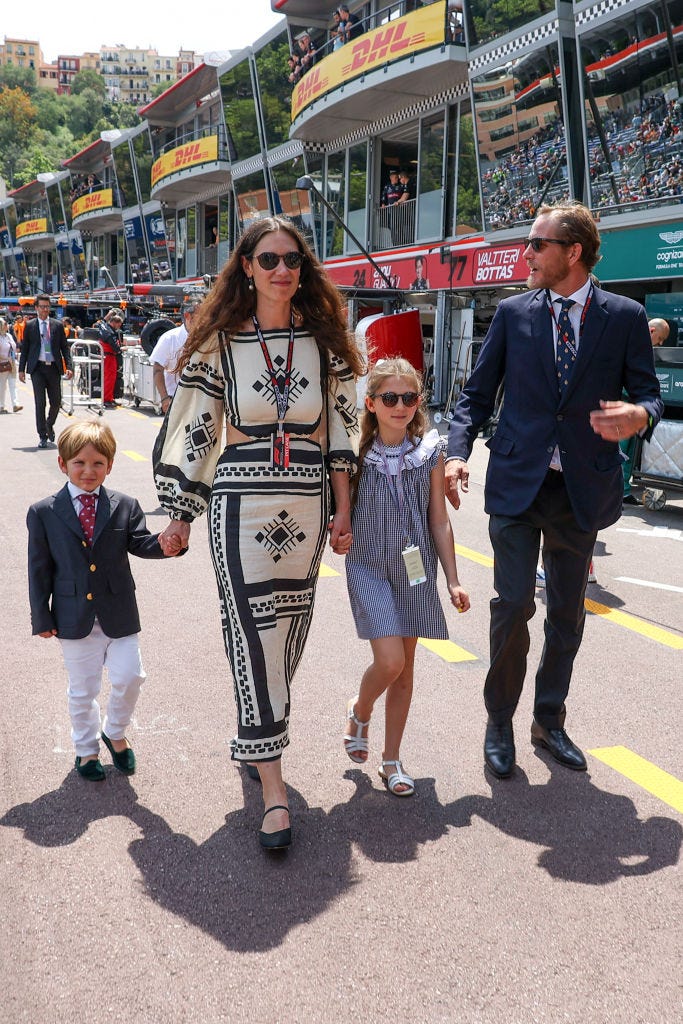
{"x": 391, "y": 66}
{"x": 191, "y": 165}
{"x": 99, "y": 210}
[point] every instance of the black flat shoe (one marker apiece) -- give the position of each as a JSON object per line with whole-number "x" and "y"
{"x": 276, "y": 840}
{"x": 253, "y": 773}
{"x": 124, "y": 761}
{"x": 499, "y": 749}
{"x": 90, "y": 770}
{"x": 558, "y": 744}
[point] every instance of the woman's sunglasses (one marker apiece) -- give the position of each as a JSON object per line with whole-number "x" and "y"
{"x": 390, "y": 398}
{"x": 538, "y": 243}
{"x": 269, "y": 260}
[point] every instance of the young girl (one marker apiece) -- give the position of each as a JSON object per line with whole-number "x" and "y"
{"x": 400, "y": 528}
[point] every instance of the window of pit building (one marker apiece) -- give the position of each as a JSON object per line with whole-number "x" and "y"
{"x": 522, "y": 154}
{"x": 287, "y": 199}
{"x": 239, "y": 110}
{"x": 634, "y": 122}
{"x": 487, "y": 21}
{"x": 251, "y": 199}
{"x": 335, "y": 193}
{"x": 275, "y": 92}
{"x": 142, "y": 148}
{"x": 358, "y": 194}
{"x": 468, "y": 200}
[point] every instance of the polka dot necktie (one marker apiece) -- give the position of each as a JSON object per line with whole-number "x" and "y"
{"x": 87, "y": 515}
{"x": 566, "y": 345}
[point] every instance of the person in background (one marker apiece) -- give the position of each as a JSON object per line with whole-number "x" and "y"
{"x": 407, "y": 184}
{"x": 45, "y": 355}
{"x": 308, "y": 52}
{"x": 659, "y": 331}
{"x": 659, "y": 334}
{"x": 8, "y": 368}
{"x": 165, "y": 354}
{"x": 392, "y": 192}
{"x": 110, "y": 334}
{"x": 350, "y": 26}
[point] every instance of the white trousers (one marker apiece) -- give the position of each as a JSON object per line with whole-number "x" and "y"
{"x": 5, "y": 380}
{"x": 84, "y": 660}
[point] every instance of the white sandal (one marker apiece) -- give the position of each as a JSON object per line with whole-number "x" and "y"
{"x": 397, "y": 778}
{"x": 357, "y": 744}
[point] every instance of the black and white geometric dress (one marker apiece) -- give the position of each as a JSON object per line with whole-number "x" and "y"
{"x": 267, "y": 526}
{"x": 382, "y": 600}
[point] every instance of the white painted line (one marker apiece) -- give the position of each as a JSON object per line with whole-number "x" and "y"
{"x": 658, "y": 532}
{"x": 650, "y": 583}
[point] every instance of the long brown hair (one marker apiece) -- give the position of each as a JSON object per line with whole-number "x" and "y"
{"x": 231, "y": 302}
{"x": 369, "y": 427}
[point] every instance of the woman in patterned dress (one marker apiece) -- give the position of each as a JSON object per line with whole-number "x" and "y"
{"x": 269, "y": 352}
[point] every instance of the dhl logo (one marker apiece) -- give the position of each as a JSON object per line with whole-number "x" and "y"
{"x": 382, "y": 45}
{"x": 93, "y": 200}
{"x": 311, "y": 85}
{"x": 187, "y": 154}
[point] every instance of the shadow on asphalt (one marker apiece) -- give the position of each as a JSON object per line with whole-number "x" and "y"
{"x": 588, "y": 836}
{"x": 249, "y": 900}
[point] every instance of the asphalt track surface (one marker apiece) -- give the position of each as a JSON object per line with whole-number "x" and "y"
{"x": 554, "y": 896}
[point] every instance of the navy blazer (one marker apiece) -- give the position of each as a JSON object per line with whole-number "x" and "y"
{"x": 30, "y": 346}
{"x": 70, "y": 582}
{"x": 615, "y": 355}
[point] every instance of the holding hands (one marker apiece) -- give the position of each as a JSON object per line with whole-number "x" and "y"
{"x": 175, "y": 537}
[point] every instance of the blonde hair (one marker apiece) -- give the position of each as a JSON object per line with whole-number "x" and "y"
{"x": 369, "y": 427}
{"x": 81, "y": 433}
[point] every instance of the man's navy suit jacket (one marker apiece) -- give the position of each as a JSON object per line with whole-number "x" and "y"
{"x": 615, "y": 355}
{"x": 70, "y": 582}
{"x": 30, "y": 346}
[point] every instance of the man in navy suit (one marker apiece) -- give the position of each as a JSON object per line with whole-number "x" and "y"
{"x": 566, "y": 351}
{"x": 45, "y": 354}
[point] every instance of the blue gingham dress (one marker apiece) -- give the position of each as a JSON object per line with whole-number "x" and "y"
{"x": 382, "y": 600}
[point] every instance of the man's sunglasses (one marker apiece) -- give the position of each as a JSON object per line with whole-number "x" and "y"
{"x": 269, "y": 260}
{"x": 390, "y": 398}
{"x": 538, "y": 243}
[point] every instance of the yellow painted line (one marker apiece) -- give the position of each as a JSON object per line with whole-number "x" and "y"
{"x": 473, "y": 556}
{"x": 447, "y": 650}
{"x": 136, "y": 457}
{"x": 648, "y": 776}
{"x": 326, "y": 570}
{"x": 138, "y": 415}
{"x": 661, "y": 636}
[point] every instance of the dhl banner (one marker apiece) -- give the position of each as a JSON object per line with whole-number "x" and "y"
{"x": 192, "y": 153}
{"x": 32, "y": 227}
{"x": 417, "y": 31}
{"x": 102, "y": 199}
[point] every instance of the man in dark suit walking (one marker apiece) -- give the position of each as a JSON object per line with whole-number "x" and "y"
{"x": 45, "y": 354}
{"x": 566, "y": 351}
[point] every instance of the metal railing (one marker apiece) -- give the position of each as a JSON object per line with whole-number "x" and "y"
{"x": 394, "y": 225}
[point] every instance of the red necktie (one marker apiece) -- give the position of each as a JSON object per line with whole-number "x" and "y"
{"x": 87, "y": 515}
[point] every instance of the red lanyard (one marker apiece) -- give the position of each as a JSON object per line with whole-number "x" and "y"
{"x": 281, "y": 394}
{"x": 582, "y": 321}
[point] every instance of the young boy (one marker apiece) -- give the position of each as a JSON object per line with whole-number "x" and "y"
{"x": 81, "y": 590}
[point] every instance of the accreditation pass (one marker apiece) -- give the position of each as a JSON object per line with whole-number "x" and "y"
{"x": 414, "y": 565}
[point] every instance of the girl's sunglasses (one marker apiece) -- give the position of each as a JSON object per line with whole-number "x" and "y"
{"x": 390, "y": 398}
{"x": 270, "y": 260}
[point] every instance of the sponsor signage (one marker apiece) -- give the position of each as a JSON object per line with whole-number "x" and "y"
{"x": 638, "y": 254}
{"x": 420, "y": 30}
{"x": 482, "y": 266}
{"x": 190, "y": 155}
{"x": 671, "y": 384}
{"x": 102, "y": 199}
{"x": 32, "y": 227}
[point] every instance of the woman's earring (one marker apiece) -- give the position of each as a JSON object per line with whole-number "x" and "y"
{"x": 250, "y": 286}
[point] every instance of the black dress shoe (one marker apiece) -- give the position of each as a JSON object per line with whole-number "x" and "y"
{"x": 276, "y": 840}
{"x": 90, "y": 770}
{"x": 42, "y": 443}
{"x": 50, "y": 433}
{"x": 123, "y": 760}
{"x": 630, "y": 499}
{"x": 559, "y": 745}
{"x": 499, "y": 749}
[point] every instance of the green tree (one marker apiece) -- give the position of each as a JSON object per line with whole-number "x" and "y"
{"x": 52, "y": 110}
{"x": 15, "y": 77}
{"x": 17, "y": 120}
{"x": 85, "y": 111}
{"x": 88, "y": 78}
